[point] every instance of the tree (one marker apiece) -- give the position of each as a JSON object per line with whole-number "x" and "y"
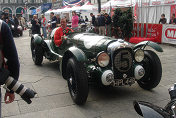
{"x": 123, "y": 23}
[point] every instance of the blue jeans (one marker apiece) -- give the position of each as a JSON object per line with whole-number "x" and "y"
{"x": 44, "y": 32}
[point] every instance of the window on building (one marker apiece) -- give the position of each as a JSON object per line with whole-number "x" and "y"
{"x": 12, "y": 1}
{"x": 6, "y": 1}
{"x": 31, "y": 1}
{"x": 20, "y": 1}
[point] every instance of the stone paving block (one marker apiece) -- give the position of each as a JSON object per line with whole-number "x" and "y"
{"x": 50, "y": 86}
{"x": 63, "y": 112}
{"x": 10, "y": 109}
{"x": 129, "y": 113}
{"x": 29, "y": 78}
{"x": 46, "y": 103}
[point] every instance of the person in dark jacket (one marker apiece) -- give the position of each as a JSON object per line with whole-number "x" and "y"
{"x": 101, "y": 24}
{"x": 58, "y": 20}
{"x": 93, "y": 19}
{"x": 35, "y": 25}
{"x": 108, "y": 24}
{"x": 53, "y": 20}
{"x": 10, "y": 53}
{"x": 173, "y": 20}
{"x": 7, "y": 19}
{"x": 16, "y": 23}
{"x": 86, "y": 19}
{"x": 162, "y": 20}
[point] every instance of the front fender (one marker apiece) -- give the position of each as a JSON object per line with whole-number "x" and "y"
{"x": 148, "y": 43}
{"x": 148, "y": 110}
{"x": 74, "y": 52}
{"x": 37, "y": 39}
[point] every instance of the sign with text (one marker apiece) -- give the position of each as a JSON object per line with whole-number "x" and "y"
{"x": 148, "y": 31}
{"x": 169, "y": 34}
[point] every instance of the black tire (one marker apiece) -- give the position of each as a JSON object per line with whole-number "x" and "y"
{"x": 37, "y": 53}
{"x": 77, "y": 81}
{"x": 153, "y": 71}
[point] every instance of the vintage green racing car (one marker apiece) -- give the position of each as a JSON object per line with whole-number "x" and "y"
{"x": 90, "y": 58}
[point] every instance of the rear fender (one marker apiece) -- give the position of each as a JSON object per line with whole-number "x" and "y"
{"x": 74, "y": 52}
{"x": 148, "y": 110}
{"x": 148, "y": 43}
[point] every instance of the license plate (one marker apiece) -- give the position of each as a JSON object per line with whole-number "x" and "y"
{"x": 122, "y": 82}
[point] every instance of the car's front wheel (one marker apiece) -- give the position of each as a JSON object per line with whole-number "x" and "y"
{"x": 77, "y": 81}
{"x": 37, "y": 53}
{"x": 153, "y": 71}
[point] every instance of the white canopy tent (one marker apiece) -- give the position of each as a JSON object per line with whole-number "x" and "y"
{"x": 148, "y": 10}
{"x": 88, "y": 7}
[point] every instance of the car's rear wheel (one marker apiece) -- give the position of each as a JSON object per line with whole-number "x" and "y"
{"x": 37, "y": 53}
{"x": 153, "y": 71}
{"x": 77, "y": 81}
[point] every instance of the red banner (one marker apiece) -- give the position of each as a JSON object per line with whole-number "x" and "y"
{"x": 153, "y": 31}
{"x": 173, "y": 10}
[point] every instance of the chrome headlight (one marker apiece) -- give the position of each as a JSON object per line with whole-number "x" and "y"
{"x": 139, "y": 55}
{"x": 103, "y": 59}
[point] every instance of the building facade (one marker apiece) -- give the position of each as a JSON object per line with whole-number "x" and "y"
{"x": 20, "y": 7}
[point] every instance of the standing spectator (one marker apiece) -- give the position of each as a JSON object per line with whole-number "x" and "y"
{"x": 101, "y": 24}
{"x": 58, "y": 20}
{"x": 162, "y": 20}
{"x": 81, "y": 20}
{"x": 35, "y": 25}
{"x": 7, "y": 19}
{"x": 93, "y": 19}
{"x": 53, "y": 20}
{"x": 16, "y": 23}
{"x": 75, "y": 20}
{"x": 94, "y": 22}
{"x": 108, "y": 24}
{"x": 23, "y": 22}
{"x": 43, "y": 25}
{"x": 173, "y": 19}
{"x": 86, "y": 19}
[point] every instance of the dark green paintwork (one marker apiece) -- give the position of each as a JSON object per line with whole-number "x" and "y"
{"x": 37, "y": 39}
{"x": 149, "y": 43}
{"x": 90, "y": 43}
{"x": 78, "y": 54}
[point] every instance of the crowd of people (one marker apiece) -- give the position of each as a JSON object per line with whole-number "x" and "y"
{"x": 102, "y": 23}
{"x": 163, "y": 20}
{"x": 13, "y": 22}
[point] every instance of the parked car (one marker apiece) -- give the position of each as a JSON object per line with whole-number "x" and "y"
{"x": 88, "y": 57}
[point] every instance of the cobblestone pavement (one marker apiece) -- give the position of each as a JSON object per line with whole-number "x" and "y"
{"x": 53, "y": 99}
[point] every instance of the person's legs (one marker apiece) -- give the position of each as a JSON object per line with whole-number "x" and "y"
{"x": 45, "y": 34}
{"x": 109, "y": 30}
{"x": 103, "y": 30}
{"x": 99, "y": 29}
